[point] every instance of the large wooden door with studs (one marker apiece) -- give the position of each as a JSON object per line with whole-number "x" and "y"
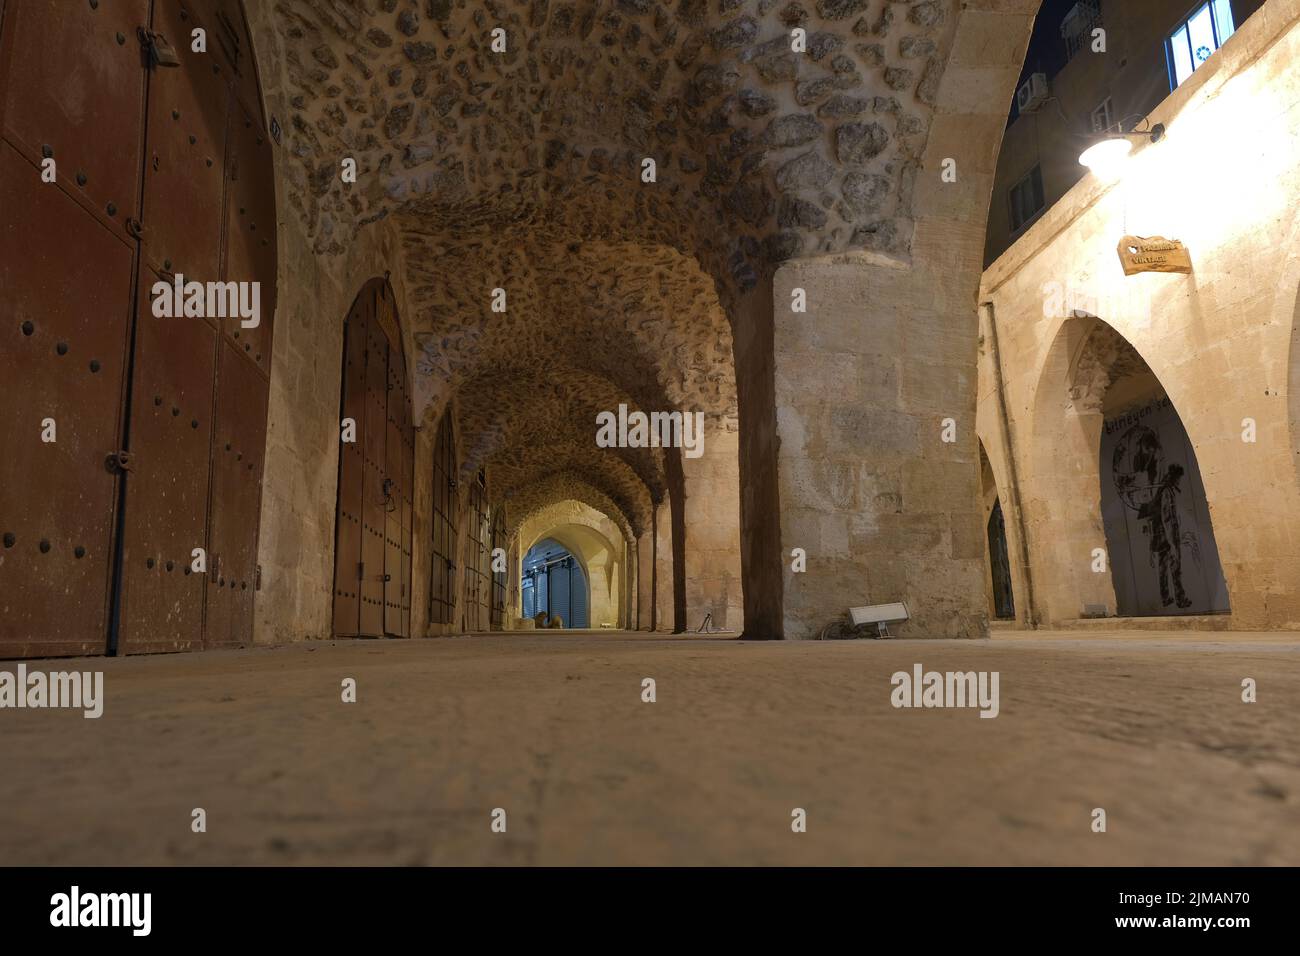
{"x": 373, "y": 521}
{"x": 133, "y": 157}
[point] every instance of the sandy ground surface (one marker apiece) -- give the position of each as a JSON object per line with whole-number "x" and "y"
{"x": 552, "y": 729}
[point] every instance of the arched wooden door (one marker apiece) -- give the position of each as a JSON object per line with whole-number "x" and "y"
{"x": 131, "y": 162}
{"x": 373, "y": 519}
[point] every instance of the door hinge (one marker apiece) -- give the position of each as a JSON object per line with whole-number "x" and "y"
{"x": 161, "y": 53}
{"x": 257, "y": 578}
{"x": 119, "y": 462}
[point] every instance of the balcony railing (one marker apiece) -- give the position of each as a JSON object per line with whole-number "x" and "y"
{"x": 1077, "y": 27}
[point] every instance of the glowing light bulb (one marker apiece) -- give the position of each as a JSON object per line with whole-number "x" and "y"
{"x": 1106, "y": 158}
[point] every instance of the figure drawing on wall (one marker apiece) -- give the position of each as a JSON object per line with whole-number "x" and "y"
{"x": 1149, "y": 486}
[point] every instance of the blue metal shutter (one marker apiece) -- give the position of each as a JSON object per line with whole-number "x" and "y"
{"x": 578, "y": 598}
{"x": 560, "y": 593}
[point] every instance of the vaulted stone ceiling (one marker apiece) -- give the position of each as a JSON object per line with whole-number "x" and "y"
{"x": 644, "y": 317}
{"x": 794, "y": 152}
{"x": 545, "y": 422}
{"x": 522, "y": 170}
{"x": 561, "y": 486}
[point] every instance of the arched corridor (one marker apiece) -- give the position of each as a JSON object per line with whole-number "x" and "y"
{"x": 630, "y": 417}
{"x": 620, "y": 285}
{"x": 545, "y": 274}
{"x": 617, "y": 242}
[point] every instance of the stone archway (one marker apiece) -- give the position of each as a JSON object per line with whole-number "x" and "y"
{"x": 1119, "y": 516}
{"x": 594, "y": 539}
{"x": 554, "y": 588}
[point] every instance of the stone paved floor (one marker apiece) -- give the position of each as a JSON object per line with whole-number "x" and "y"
{"x": 552, "y": 728}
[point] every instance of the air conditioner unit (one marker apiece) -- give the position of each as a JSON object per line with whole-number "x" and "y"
{"x": 1032, "y": 93}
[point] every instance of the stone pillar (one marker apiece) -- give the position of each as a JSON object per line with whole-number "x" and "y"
{"x": 675, "y": 608}
{"x": 627, "y": 620}
{"x": 663, "y": 618}
{"x": 1063, "y": 513}
{"x": 885, "y": 508}
{"x": 864, "y": 380}
{"x": 712, "y": 496}
{"x": 645, "y": 562}
{"x": 422, "y": 531}
{"x": 602, "y": 586}
{"x": 514, "y": 577}
{"x": 760, "y": 532}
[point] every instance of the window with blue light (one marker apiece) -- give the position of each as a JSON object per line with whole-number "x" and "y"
{"x": 1196, "y": 39}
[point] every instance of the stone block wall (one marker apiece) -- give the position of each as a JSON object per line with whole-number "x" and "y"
{"x": 712, "y": 500}
{"x": 884, "y": 508}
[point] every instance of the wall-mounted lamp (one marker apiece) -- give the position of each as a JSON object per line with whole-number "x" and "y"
{"x": 1106, "y": 155}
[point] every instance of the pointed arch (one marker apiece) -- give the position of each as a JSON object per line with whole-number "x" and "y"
{"x": 1120, "y": 515}
{"x": 374, "y": 509}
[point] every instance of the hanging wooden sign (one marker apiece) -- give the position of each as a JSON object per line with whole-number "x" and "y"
{"x": 1154, "y": 254}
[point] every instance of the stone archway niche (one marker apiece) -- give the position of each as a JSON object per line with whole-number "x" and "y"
{"x": 597, "y": 543}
